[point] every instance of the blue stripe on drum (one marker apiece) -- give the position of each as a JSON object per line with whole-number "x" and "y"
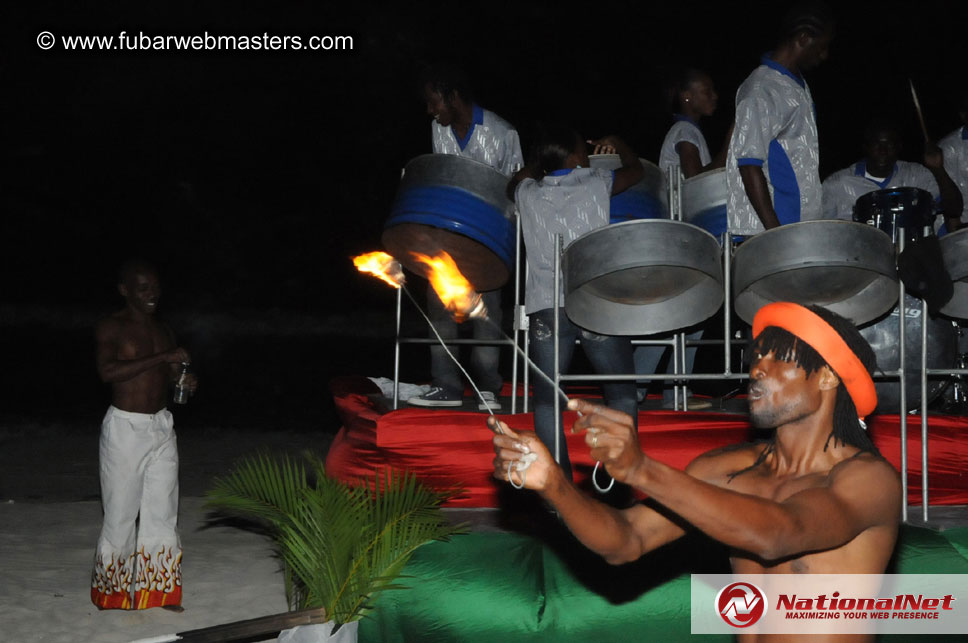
{"x": 635, "y": 204}
{"x": 458, "y": 211}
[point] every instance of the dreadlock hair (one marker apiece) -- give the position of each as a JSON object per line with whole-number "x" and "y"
{"x": 787, "y": 347}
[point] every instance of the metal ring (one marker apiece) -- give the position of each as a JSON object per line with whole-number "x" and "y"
{"x": 524, "y": 476}
{"x": 595, "y": 481}
{"x": 595, "y": 441}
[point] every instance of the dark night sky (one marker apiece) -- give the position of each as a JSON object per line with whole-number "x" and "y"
{"x": 252, "y": 176}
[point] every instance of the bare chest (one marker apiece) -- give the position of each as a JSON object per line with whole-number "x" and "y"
{"x": 142, "y": 340}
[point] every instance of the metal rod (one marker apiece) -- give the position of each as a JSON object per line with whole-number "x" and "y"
{"x": 517, "y": 302}
{"x": 396, "y": 354}
{"x": 727, "y": 304}
{"x": 924, "y": 411}
{"x": 557, "y": 365}
{"x": 903, "y": 393}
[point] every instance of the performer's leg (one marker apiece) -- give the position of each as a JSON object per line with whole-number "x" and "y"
{"x": 123, "y": 452}
{"x": 612, "y": 355}
{"x": 158, "y": 580}
{"x": 541, "y": 339}
{"x": 485, "y": 359}
{"x": 646, "y": 360}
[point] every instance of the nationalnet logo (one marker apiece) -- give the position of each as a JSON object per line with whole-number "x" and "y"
{"x": 822, "y": 604}
{"x": 741, "y": 604}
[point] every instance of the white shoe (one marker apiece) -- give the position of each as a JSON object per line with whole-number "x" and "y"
{"x": 436, "y": 396}
{"x": 489, "y": 402}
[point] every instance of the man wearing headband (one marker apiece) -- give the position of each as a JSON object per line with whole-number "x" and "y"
{"x": 816, "y": 498}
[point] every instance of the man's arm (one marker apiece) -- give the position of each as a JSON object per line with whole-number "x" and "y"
{"x": 526, "y": 172}
{"x": 113, "y": 369}
{"x": 754, "y": 182}
{"x": 815, "y": 519}
{"x": 618, "y": 536}
{"x": 631, "y": 171}
{"x": 951, "y": 199}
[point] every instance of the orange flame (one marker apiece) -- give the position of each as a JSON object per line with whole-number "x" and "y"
{"x": 455, "y": 292}
{"x": 382, "y": 266}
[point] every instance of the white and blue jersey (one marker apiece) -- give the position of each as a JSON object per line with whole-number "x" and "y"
{"x": 842, "y": 188}
{"x": 490, "y": 140}
{"x": 955, "y": 148}
{"x": 776, "y": 129}
{"x": 565, "y": 202}
{"x": 685, "y": 130}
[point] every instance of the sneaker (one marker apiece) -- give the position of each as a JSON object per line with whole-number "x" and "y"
{"x": 436, "y": 396}
{"x": 489, "y": 402}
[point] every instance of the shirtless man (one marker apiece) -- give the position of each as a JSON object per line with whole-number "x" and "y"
{"x": 137, "y": 567}
{"x": 818, "y": 498}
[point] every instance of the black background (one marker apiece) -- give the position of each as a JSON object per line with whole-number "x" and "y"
{"x": 252, "y": 177}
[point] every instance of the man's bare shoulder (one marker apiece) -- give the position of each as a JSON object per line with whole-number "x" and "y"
{"x": 869, "y": 469}
{"x": 718, "y": 464}
{"x": 109, "y": 326}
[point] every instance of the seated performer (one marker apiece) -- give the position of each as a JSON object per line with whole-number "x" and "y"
{"x": 557, "y": 193}
{"x": 816, "y": 498}
{"x": 955, "y": 149}
{"x": 463, "y": 128}
{"x": 691, "y": 97}
{"x": 881, "y": 169}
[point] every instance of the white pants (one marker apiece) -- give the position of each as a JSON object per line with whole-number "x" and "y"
{"x": 138, "y": 560}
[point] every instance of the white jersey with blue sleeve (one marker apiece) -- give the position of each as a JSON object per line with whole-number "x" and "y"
{"x": 776, "y": 129}
{"x": 490, "y": 140}
{"x": 842, "y": 188}
{"x": 565, "y": 202}
{"x": 685, "y": 130}
{"x": 955, "y": 148}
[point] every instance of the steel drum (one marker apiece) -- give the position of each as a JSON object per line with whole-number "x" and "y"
{"x": 704, "y": 201}
{"x": 642, "y": 277}
{"x": 883, "y": 338}
{"x": 644, "y": 200}
{"x": 954, "y": 251}
{"x": 446, "y": 202}
{"x": 897, "y": 211}
{"x": 844, "y": 266}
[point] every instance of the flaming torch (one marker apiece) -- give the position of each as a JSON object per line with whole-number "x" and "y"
{"x": 382, "y": 266}
{"x": 455, "y": 292}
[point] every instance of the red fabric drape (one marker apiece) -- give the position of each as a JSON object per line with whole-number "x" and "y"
{"x": 448, "y": 448}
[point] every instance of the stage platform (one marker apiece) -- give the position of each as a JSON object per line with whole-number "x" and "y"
{"x": 452, "y": 447}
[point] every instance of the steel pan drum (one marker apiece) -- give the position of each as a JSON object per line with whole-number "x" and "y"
{"x": 896, "y": 209}
{"x": 642, "y": 277}
{"x": 954, "y": 251}
{"x": 704, "y": 201}
{"x": 644, "y": 200}
{"x": 844, "y": 266}
{"x": 883, "y": 338}
{"x": 446, "y": 202}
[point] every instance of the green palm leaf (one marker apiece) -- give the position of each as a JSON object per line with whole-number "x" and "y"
{"x": 341, "y": 544}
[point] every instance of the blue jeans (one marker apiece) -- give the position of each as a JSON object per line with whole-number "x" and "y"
{"x": 484, "y": 359}
{"x": 607, "y": 354}
{"x": 647, "y": 359}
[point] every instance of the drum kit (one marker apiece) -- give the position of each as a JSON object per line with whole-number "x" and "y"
{"x": 651, "y": 272}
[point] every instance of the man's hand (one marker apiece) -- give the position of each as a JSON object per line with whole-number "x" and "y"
{"x": 933, "y": 156}
{"x": 178, "y": 354}
{"x": 612, "y": 437}
{"x": 605, "y": 145}
{"x": 511, "y": 449}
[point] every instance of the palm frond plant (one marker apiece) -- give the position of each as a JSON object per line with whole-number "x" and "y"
{"x": 340, "y": 544}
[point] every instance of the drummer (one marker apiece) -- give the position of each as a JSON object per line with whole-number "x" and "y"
{"x": 881, "y": 169}
{"x": 463, "y": 128}
{"x": 772, "y": 173}
{"x": 558, "y": 193}
{"x": 691, "y": 96}
{"x": 955, "y": 149}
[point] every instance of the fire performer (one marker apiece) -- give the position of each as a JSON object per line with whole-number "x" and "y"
{"x": 816, "y": 498}
{"x": 557, "y": 193}
{"x": 462, "y": 127}
{"x": 138, "y": 567}
{"x": 772, "y": 169}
